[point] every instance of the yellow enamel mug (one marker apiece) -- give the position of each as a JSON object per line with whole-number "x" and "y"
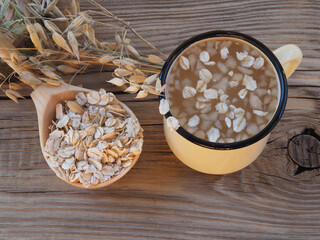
{"x": 222, "y": 158}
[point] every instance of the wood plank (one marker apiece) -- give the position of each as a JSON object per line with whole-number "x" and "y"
{"x": 168, "y": 23}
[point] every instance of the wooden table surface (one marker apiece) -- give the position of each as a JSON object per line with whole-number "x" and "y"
{"x": 161, "y": 198}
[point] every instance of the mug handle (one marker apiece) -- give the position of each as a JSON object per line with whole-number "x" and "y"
{"x": 290, "y": 57}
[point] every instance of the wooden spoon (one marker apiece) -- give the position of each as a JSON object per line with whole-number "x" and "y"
{"x": 45, "y": 99}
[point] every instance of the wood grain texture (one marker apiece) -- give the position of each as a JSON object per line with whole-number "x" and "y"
{"x": 160, "y": 198}
{"x": 168, "y": 23}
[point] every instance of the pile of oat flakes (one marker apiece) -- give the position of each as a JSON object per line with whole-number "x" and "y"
{"x": 93, "y": 139}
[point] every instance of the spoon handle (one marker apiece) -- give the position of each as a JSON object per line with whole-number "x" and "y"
{"x": 45, "y": 99}
{"x": 43, "y": 94}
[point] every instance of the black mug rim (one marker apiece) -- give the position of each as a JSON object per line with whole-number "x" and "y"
{"x": 282, "y": 86}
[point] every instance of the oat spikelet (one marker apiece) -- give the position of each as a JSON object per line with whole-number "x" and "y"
{"x": 15, "y": 86}
{"x": 48, "y": 68}
{"x": 163, "y": 87}
{"x": 130, "y": 67}
{"x": 15, "y": 93}
{"x": 11, "y": 96}
{"x": 139, "y": 72}
{"x": 119, "y": 72}
{"x": 109, "y": 45}
{"x": 51, "y": 26}
{"x": 155, "y": 59}
{"x": 117, "y": 81}
{"x": 151, "y": 79}
{"x": 14, "y": 57}
{"x": 34, "y": 37}
{"x": 132, "y": 51}
{"x": 77, "y": 32}
{"x": 29, "y": 79}
{"x": 50, "y": 82}
{"x": 41, "y": 33}
{"x": 75, "y": 63}
{"x": 61, "y": 42}
{"x": 106, "y": 58}
{"x": 132, "y": 89}
{"x": 51, "y": 6}
{"x": 153, "y": 91}
{"x": 75, "y": 23}
{"x": 125, "y": 62}
{"x": 142, "y": 94}
{"x": 50, "y": 74}
{"x": 56, "y": 11}
{"x": 137, "y": 78}
{"x": 75, "y": 7}
{"x": 158, "y": 85}
{"x": 149, "y": 89}
{"x": 74, "y": 44}
{"x": 118, "y": 39}
{"x": 89, "y": 32}
{"x": 67, "y": 69}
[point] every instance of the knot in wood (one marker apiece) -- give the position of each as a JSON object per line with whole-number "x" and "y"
{"x": 304, "y": 150}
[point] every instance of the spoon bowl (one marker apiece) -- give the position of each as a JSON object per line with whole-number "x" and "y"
{"x": 45, "y": 100}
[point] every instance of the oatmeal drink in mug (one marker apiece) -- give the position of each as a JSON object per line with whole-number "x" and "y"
{"x": 225, "y": 92}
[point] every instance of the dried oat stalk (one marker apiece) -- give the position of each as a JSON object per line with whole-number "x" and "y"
{"x": 47, "y": 44}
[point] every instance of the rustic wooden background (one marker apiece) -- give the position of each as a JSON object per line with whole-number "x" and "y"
{"x": 276, "y": 197}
